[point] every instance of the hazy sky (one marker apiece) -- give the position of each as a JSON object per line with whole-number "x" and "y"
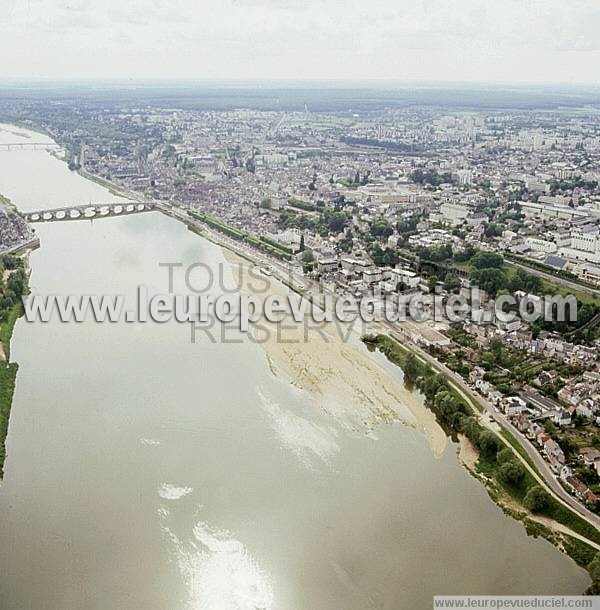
{"x": 457, "y": 40}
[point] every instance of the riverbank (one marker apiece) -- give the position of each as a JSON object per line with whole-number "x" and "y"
{"x": 342, "y": 379}
{"x": 490, "y": 457}
{"x": 300, "y": 367}
{"x": 577, "y": 547}
{"x": 88, "y": 460}
{"x": 8, "y": 376}
{"x": 112, "y": 188}
{"x": 337, "y": 373}
{"x": 285, "y": 273}
{"x": 8, "y": 370}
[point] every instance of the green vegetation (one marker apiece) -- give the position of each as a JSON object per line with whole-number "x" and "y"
{"x": 435, "y": 254}
{"x": 381, "y": 228}
{"x": 582, "y": 553}
{"x": 7, "y": 327}
{"x": 490, "y": 272}
{"x": 384, "y": 258}
{"x": 497, "y": 462}
{"x": 5, "y": 201}
{"x": 450, "y": 408}
{"x": 462, "y": 337}
{"x": 594, "y": 569}
{"x": 8, "y": 375}
{"x": 505, "y": 366}
{"x": 536, "y": 499}
{"x": 263, "y": 243}
{"x": 569, "y": 185}
{"x": 430, "y": 177}
{"x": 519, "y": 449}
{"x": 11, "y": 290}
{"x": 326, "y": 222}
{"x": 560, "y": 273}
{"x": 308, "y": 261}
{"x": 301, "y": 204}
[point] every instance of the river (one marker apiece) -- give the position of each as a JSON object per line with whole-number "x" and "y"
{"x": 145, "y": 471}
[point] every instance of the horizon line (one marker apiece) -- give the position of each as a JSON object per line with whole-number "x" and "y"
{"x": 320, "y": 82}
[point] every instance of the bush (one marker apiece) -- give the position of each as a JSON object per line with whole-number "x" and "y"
{"x": 594, "y": 570}
{"x": 505, "y": 455}
{"x": 489, "y": 443}
{"x": 511, "y": 473}
{"x": 536, "y": 499}
{"x": 487, "y": 260}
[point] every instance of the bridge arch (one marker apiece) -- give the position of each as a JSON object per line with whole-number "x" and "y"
{"x": 88, "y": 211}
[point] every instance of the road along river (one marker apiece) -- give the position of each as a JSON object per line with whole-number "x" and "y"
{"x": 147, "y": 471}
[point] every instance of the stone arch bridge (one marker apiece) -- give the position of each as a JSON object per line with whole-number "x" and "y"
{"x": 89, "y": 211}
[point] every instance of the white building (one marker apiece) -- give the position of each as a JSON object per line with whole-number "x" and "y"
{"x": 541, "y": 245}
{"x": 454, "y": 213}
{"x": 408, "y": 278}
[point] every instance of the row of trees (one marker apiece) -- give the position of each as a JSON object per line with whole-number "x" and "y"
{"x": 14, "y": 287}
{"x": 488, "y": 272}
{"x": 455, "y": 413}
{"x": 496, "y": 459}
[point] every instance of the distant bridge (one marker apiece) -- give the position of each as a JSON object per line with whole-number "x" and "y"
{"x": 89, "y": 211}
{"x": 28, "y": 145}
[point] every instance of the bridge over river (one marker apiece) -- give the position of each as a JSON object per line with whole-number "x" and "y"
{"x": 28, "y": 145}
{"x": 89, "y": 211}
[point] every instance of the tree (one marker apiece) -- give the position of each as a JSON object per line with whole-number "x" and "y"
{"x": 447, "y": 404}
{"x": 489, "y": 443}
{"x": 505, "y": 455}
{"x": 594, "y": 571}
{"x": 390, "y": 258}
{"x": 522, "y": 280}
{"x": 493, "y": 230}
{"x": 511, "y": 473}
{"x": 332, "y": 221}
{"x": 307, "y": 256}
{"x": 536, "y": 499}
{"x": 489, "y": 279}
{"x": 467, "y": 254}
{"x": 471, "y": 429}
{"x": 417, "y": 176}
{"x": 381, "y": 228}
{"x": 411, "y": 368}
{"x": 10, "y": 261}
{"x": 451, "y": 282}
{"x": 347, "y": 242}
{"x": 487, "y": 260}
